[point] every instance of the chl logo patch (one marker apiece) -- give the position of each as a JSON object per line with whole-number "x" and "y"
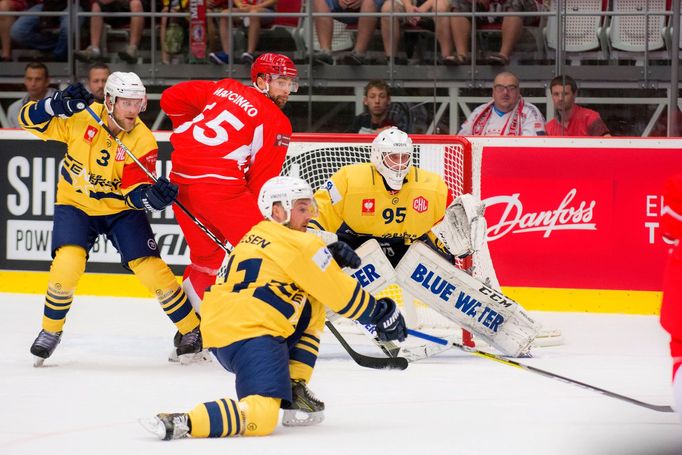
{"x": 368, "y": 206}
{"x": 90, "y": 134}
{"x": 120, "y": 154}
{"x": 420, "y": 204}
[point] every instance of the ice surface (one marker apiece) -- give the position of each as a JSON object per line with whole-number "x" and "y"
{"x": 111, "y": 369}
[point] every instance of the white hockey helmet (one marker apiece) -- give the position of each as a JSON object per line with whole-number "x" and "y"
{"x": 125, "y": 85}
{"x": 285, "y": 190}
{"x": 388, "y": 143}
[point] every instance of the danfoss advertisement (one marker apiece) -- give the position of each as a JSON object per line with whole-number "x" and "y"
{"x": 563, "y": 214}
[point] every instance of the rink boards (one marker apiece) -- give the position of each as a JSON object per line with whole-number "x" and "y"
{"x": 572, "y": 222}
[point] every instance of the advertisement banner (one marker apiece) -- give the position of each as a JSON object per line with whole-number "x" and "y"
{"x": 577, "y": 217}
{"x": 30, "y": 171}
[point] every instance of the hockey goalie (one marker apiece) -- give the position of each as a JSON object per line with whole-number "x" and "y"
{"x": 408, "y": 229}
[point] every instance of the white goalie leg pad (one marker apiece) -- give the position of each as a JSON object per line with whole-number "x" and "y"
{"x": 463, "y": 228}
{"x": 497, "y": 319}
{"x": 375, "y": 271}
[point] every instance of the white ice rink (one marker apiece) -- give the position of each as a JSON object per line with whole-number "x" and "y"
{"x": 111, "y": 369}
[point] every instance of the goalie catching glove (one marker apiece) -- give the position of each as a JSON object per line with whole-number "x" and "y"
{"x": 463, "y": 228}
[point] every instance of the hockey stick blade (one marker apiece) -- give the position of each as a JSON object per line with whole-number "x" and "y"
{"x": 377, "y": 363}
{"x": 506, "y": 361}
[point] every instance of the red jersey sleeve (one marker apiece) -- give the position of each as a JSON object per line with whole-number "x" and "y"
{"x": 184, "y": 101}
{"x": 133, "y": 175}
{"x": 268, "y": 161}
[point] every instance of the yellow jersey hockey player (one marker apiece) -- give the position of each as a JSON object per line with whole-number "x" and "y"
{"x": 387, "y": 199}
{"x": 264, "y": 323}
{"x": 101, "y": 191}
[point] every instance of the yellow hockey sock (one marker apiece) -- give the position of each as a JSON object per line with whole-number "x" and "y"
{"x": 65, "y": 272}
{"x": 156, "y": 276}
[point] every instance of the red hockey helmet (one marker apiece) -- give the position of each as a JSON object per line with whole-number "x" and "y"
{"x": 274, "y": 65}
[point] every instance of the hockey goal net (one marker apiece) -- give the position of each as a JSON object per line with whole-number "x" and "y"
{"x": 315, "y": 157}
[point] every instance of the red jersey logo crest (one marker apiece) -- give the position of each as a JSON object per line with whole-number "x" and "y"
{"x": 368, "y": 206}
{"x": 120, "y": 154}
{"x": 420, "y": 204}
{"x": 90, "y": 134}
{"x": 282, "y": 141}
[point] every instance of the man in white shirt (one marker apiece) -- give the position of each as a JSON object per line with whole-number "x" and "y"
{"x": 507, "y": 114}
{"x": 37, "y": 83}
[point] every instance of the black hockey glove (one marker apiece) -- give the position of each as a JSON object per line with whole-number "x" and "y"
{"x": 390, "y": 324}
{"x": 344, "y": 255}
{"x": 159, "y": 195}
{"x": 71, "y": 100}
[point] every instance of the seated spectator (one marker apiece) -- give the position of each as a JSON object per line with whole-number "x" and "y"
{"x": 93, "y": 53}
{"x": 6, "y": 24}
{"x": 37, "y": 83}
{"x": 512, "y": 27}
{"x": 35, "y": 32}
{"x": 324, "y": 25}
{"x": 97, "y": 79}
{"x": 253, "y": 24}
{"x": 660, "y": 128}
{"x": 507, "y": 114}
{"x": 572, "y": 119}
{"x": 381, "y": 113}
{"x": 173, "y": 30}
{"x": 391, "y": 37}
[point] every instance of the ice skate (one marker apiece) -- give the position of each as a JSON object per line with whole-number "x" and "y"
{"x": 167, "y": 426}
{"x": 188, "y": 348}
{"x": 44, "y": 345}
{"x": 305, "y": 409}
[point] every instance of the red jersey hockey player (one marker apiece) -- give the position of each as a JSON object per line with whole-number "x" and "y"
{"x": 671, "y": 309}
{"x": 228, "y": 140}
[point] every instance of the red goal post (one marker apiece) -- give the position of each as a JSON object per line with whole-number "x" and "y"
{"x": 315, "y": 157}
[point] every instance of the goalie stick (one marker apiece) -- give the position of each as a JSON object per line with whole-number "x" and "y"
{"x": 377, "y": 363}
{"x": 127, "y": 151}
{"x": 548, "y": 374}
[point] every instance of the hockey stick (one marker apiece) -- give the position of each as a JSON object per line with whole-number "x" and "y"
{"x": 377, "y": 363}
{"x": 506, "y": 361}
{"x": 120, "y": 143}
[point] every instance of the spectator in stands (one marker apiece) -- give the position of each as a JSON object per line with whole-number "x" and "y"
{"x": 507, "y": 114}
{"x": 93, "y": 52}
{"x": 572, "y": 119}
{"x": 512, "y": 27}
{"x": 253, "y": 24}
{"x": 380, "y": 113}
{"x": 97, "y": 79}
{"x": 37, "y": 83}
{"x": 173, "y": 30}
{"x": 37, "y": 32}
{"x": 6, "y": 24}
{"x": 324, "y": 25}
{"x": 391, "y": 37}
{"x": 660, "y": 128}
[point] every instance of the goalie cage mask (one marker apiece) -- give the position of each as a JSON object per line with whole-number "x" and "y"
{"x": 389, "y": 142}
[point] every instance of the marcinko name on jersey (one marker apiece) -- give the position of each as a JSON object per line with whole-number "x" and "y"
{"x": 237, "y": 99}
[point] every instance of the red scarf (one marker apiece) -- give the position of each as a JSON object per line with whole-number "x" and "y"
{"x": 515, "y": 117}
